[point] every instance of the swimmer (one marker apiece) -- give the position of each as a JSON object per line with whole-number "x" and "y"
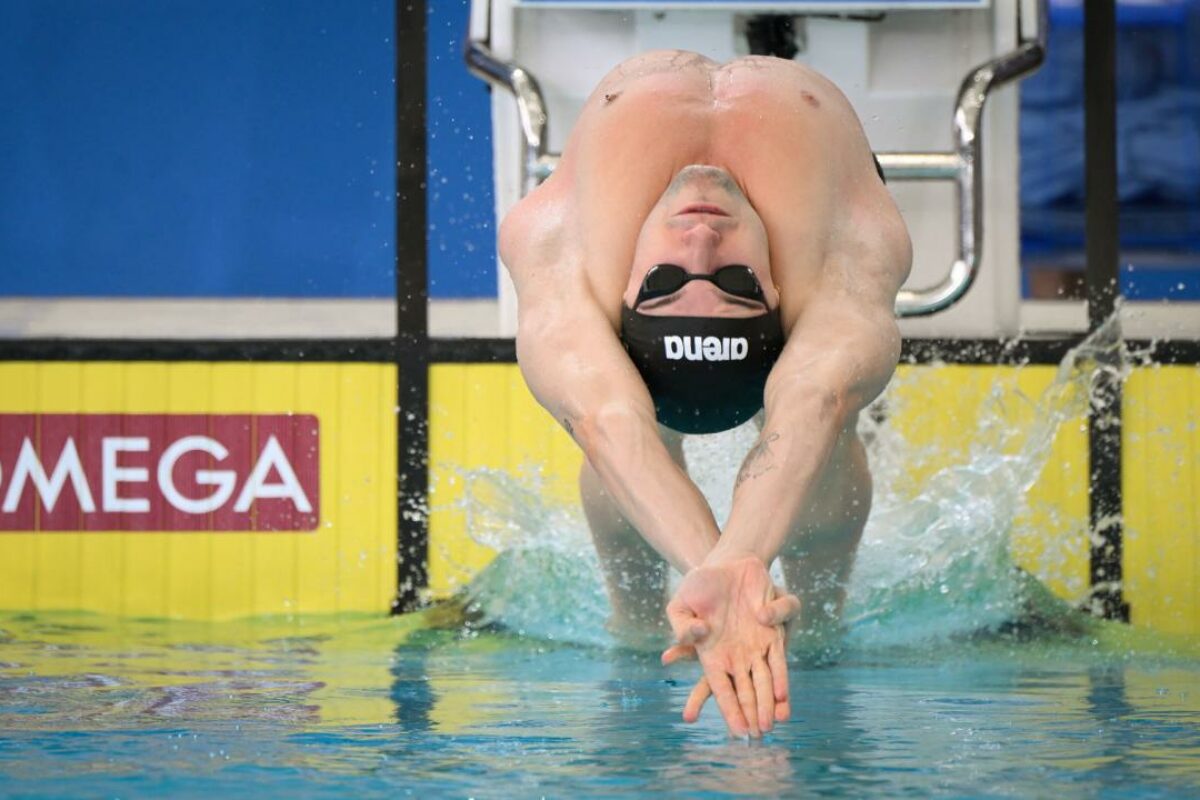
{"x": 715, "y": 245}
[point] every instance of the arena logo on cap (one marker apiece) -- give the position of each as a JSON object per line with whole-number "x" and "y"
{"x": 159, "y": 472}
{"x": 706, "y": 348}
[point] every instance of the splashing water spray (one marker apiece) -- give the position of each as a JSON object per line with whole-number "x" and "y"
{"x": 933, "y": 565}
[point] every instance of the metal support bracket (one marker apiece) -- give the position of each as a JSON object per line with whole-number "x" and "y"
{"x": 963, "y": 165}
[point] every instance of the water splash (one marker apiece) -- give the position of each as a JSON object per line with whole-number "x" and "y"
{"x": 933, "y": 565}
{"x": 546, "y": 580}
{"x": 939, "y": 564}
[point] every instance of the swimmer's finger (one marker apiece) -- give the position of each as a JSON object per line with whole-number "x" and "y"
{"x": 746, "y": 699}
{"x": 696, "y": 700}
{"x": 678, "y": 652}
{"x": 777, "y": 661}
{"x": 727, "y": 701}
{"x": 779, "y": 610}
{"x": 687, "y": 626}
{"x": 783, "y": 711}
{"x": 763, "y": 693}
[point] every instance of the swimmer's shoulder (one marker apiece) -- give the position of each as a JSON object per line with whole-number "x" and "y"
{"x": 541, "y": 245}
{"x": 532, "y": 231}
{"x": 537, "y": 236}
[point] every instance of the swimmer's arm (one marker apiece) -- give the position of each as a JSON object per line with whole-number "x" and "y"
{"x": 577, "y": 369}
{"x": 839, "y": 357}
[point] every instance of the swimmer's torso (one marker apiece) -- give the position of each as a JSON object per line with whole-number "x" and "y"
{"x": 784, "y": 133}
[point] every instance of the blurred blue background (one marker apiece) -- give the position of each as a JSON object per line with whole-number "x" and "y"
{"x": 1158, "y": 153}
{"x": 462, "y": 238}
{"x": 238, "y": 148}
{"x": 196, "y": 148}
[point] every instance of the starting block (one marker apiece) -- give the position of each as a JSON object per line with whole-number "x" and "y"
{"x": 918, "y": 72}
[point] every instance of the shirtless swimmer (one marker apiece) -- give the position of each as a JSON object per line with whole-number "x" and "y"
{"x": 715, "y": 240}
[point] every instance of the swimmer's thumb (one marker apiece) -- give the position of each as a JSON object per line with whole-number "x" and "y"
{"x": 688, "y": 628}
{"x": 779, "y": 610}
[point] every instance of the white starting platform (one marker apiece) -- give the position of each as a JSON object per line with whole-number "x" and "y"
{"x": 918, "y": 73}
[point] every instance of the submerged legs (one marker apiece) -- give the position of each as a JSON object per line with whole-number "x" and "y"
{"x": 820, "y": 551}
{"x": 636, "y": 576}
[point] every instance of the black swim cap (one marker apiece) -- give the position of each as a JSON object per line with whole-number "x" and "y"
{"x": 706, "y": 374}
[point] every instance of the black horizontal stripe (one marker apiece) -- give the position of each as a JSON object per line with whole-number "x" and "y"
{"x": 503, "y": 350}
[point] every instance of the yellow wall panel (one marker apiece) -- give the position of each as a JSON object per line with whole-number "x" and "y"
{"x": 189, "y": 560}
{"x": 483, "y": 417}
{"x": 346, "y": 564}
{"x": 232, "y": 584}
{"x": 316, "y": 553}
{"x": 57, "y": 560}
{"x": 386, "y": 483}
{"x": 1192, "y": 424}
{"x": 102, "y": 585}
{"x": 1050, "y": 536}
{"x": 359, "y": 554}
{"x": 944, "y": 411}
{"x": 273, "y": 589}
{"x": 480, "y": 394}
{"x": 932, "y": 409}
{"x": 1161, "y": 480}
{"x": 145, "y": 391}
{"x": 448, "y": 540}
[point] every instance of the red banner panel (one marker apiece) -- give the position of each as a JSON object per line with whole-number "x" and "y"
{"x": 159, "y": 472}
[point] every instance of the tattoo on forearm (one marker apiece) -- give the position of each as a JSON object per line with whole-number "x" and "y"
{"x": 759, "y": 460}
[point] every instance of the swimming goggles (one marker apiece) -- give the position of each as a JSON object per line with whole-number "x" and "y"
{"x": 665, "y": 279}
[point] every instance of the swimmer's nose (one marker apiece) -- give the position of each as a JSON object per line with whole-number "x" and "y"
{"x": 702, "y": 236}
{"x": 702, "y": 230}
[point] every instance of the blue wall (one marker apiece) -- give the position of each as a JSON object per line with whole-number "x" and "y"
{"x": 1158, "y": 149}
{"x": 196, "y": 147}
{"x": 462, "y": 238}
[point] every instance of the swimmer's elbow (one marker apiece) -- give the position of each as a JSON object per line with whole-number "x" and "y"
{"x": 810, "y": 399}
{"x": 513, "y": 232}
{"x": 834, "y": 388}
{"x": 615, "y": 426}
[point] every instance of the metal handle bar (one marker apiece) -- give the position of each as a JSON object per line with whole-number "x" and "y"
{"x": 963, "y": 165}
{"x": 536, "y": 162}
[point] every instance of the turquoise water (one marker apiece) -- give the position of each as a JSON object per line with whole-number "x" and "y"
{"x": 92, "y": 707}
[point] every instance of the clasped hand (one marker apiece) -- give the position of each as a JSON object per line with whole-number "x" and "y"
{"x": 730, "y": 616}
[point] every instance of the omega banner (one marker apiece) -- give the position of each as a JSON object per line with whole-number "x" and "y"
{"x": 159, "y": 472}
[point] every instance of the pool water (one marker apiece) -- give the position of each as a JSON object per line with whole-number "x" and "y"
{"x": 96, "y": 707}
